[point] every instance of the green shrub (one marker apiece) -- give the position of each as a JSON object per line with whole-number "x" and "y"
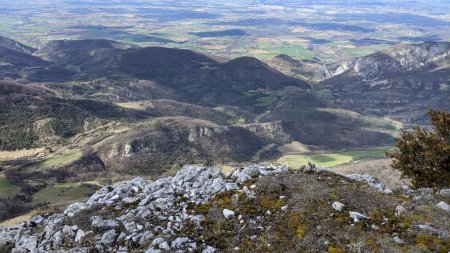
{"x": 424, "y": 155}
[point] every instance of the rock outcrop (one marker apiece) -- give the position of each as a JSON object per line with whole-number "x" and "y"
{"x": 399, "y": 82}
{"x": 134, "y": 215}
{"x": 398, "y": 59}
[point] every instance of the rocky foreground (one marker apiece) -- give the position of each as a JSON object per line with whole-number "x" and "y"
{"x": 260, "y": 208}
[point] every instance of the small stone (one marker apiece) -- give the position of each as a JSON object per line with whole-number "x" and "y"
{"x": 399, "y": 210}
{"x": 373, "y": 182}
{"x": 98, "y": 222}
{"x": 37, "y": 219}
{"x": 444, "y": 206}
{"x": 157, "y": 242}
{"x": 338, "y": 206}
{"x": 109, "y": 237}
{"x": 164, "y": 246}
{"x": 57, "y": 239}
{"x": 445, "y": 192}
{"x": 398, "y": 240}
{"x": 80, "y": 235}
{"x": 178, "y": 243}
{"x": 425, "y": 191}
{"x": 284, "y": 208}
{"x": 145, "y": 238}
{"x": 429, "y": 229}
{"x": 209, "y": 249}
{"x": 252, "y": 186}
{"x": 407, "y": 189}
{"x": 153, "y": 251}
{"x": 231, "y": 186}
{"x": 357, "y": 216}
{"x": 374, "y": 227}
{"x": 228, "y": 213}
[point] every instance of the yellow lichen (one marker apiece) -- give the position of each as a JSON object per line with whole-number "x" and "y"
{"x": 432, "y": 243}
{"x": 332, "y": 249}
{"x": 301, "y": 231}
{"x": 269, "y": 203}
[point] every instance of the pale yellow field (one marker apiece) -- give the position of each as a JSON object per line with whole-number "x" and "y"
{"x": 300, "y": 30}
{"x": 380, "y": 168}
{"x": 133, "y": 105}
{"x": 293, "y": 147}
{"x": 18, "y": 219}
{"x": 12, "y": 155}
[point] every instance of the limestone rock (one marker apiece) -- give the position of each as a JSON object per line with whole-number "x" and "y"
{"x": 338, "y": 206}
{"x": 357, "y": 216}
{"x": 444, "y": 206}
{"x": 109, "y": 237}
{"x": 228, "y": 213}
{"x": 373, "y": 182}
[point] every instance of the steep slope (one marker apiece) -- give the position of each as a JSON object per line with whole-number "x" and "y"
{"x": 169, "y": 142}
{"x": 18, "y": 63}
{"x": 259, "y": 208}
{"x": 32, "y": 116}
{"x": 400, "y": 59}
{"x": 16, "y": 46}
{"x": 19, "y": 59}
{"x": 307, "y": 119}
{"x": 402, "y": 82}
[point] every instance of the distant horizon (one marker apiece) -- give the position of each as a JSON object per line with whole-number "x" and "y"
{"x": 263, "y": 29}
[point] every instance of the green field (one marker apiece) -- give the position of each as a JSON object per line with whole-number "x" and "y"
{"x": 62, "y": 193}
{"x": 7, "y": 189}
{"x": 270, "y": 49}
{"x": 330, "y": 160}
{"x": 61, "y": 159}
{"x": 266, "y": 101}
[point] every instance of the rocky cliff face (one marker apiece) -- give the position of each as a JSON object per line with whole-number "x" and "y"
{"x": 260, "y": 208}
{"x": 16, "y": 46}
{"x": 402, "y": 58}
{"x": 310, "y": 70}
{"x": 402, "y": 82}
